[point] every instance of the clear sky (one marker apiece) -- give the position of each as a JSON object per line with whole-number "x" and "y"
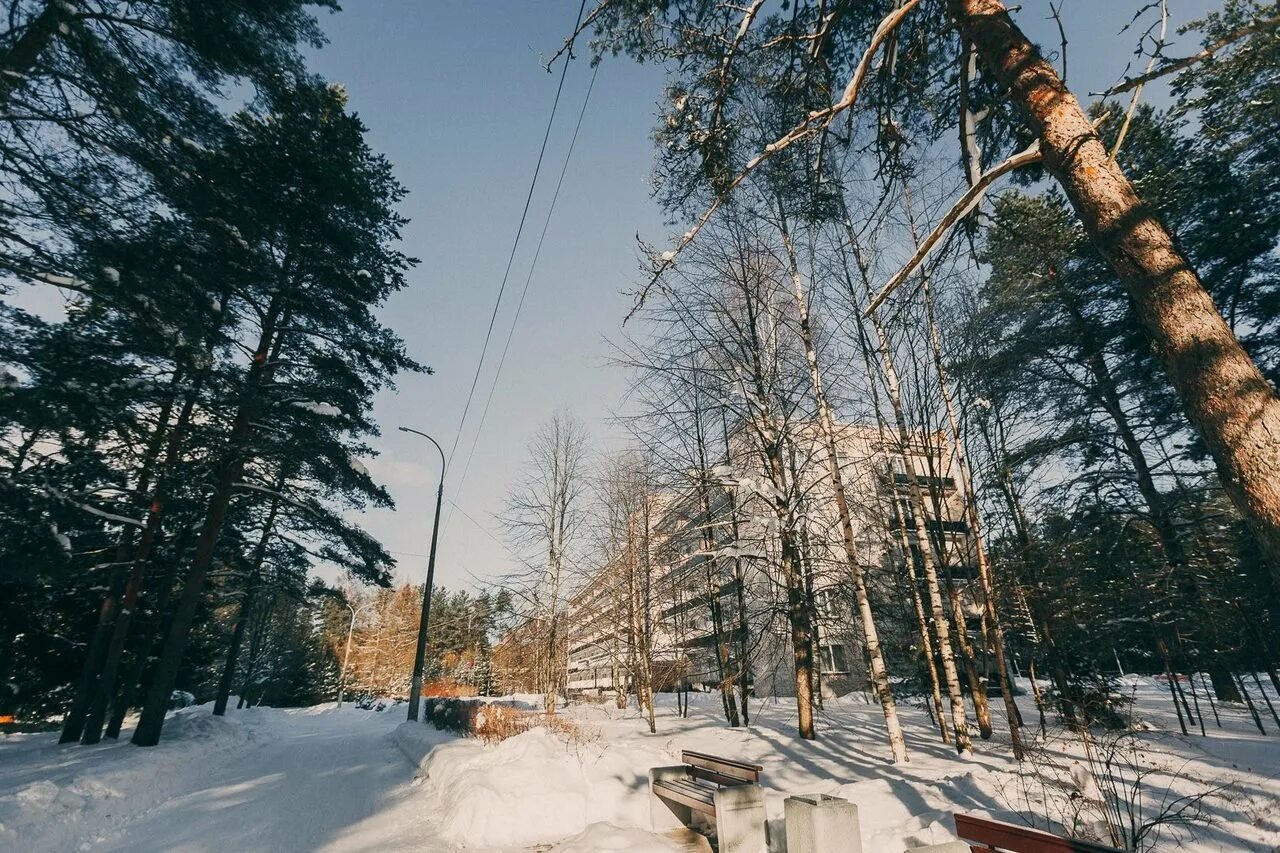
{"x": 454, "y": 94}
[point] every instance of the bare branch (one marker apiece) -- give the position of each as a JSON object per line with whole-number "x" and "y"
{"x": 815, "y": 122}
{"x": 567, "y": 47}
{"x": 1175, "y": 65}
{"x": 1030, "y": 154}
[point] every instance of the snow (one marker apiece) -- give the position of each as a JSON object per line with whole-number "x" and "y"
{"x": 589, "y": 791}
{"x": 346, "y": 779}
{"x": 258, "y": 779}
{"x": 112, "y": 274}
{"x": 358, "y": 467}
{"x": 600, "y": 837}
{"x": 58, "y": 280}
{"x": 531, "y": 780}
{"x": 325, "y": 409}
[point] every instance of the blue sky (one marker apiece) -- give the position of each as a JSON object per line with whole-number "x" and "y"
{"x": 455, "y": 95}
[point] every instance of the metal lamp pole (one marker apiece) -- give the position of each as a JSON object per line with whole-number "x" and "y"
{"x": 342, "y": 679}
{"x": 420, "y": 657}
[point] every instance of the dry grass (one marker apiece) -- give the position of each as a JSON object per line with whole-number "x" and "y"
{"x": 494, "y": 723}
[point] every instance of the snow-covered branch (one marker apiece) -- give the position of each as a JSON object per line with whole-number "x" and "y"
{"x": 815, "y": 122}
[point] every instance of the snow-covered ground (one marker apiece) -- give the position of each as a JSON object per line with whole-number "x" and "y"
{"x": 546, "y": 787}
{"x": 261, "y": 779}
{"x": 325, "y": 779}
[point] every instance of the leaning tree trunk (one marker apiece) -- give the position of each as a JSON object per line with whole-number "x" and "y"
{"x": 990, "y": 618}
{"x": 84, "y": 717}
{"x": 1226, "y": 398}
{"x": 137, "y": 574}
{"x": 229, "y": 471}
{"x": 150, "y": 633}
{"x": 246, "y": 605}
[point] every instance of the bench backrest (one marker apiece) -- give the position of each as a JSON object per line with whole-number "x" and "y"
{"x": 995, "y": 835}
{"x": 722, "y": 771}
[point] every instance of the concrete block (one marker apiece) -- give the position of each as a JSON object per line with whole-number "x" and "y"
{"x": 818, "y": 823}
{"x": 948, "y": 847}
{"x": 740, "y": 819}
{"x": 664, "y": 815}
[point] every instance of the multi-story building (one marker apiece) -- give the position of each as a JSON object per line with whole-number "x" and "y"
{"x": 709, "y": 604}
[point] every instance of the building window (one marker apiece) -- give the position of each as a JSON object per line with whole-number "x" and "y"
{"x": 833, "y": 659}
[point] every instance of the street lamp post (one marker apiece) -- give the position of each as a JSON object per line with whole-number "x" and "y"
{"x": 420, "y": 656}
{"x": 346, "y": 656}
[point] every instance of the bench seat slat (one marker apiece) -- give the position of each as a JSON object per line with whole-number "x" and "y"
{"x": 698, "y": 797}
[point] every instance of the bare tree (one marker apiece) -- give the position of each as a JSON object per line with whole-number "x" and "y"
{"x": 545, "y": 514}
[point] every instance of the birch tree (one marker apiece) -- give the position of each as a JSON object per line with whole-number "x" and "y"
{"x": 545, "y": 515}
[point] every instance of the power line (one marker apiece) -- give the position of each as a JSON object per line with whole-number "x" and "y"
{"x": 564, "y": 70}
{"x": 546, "y": 223}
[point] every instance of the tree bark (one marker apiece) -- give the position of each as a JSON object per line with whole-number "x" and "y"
{"x": 932, "y": 587}
{"x": 106, "y": 689}
{"x": 1226, "y": 398}
{"x": 134, "y": 686}
{"x": 246, "y": 605}
{"x": 826, "y": 422}
{"x": 990, "y": 617}
{"x": 1224, "y": 686}
{"x": 84, "y": 718}
{"x": 229, "y": 471}
{"x": 740, "y": 581}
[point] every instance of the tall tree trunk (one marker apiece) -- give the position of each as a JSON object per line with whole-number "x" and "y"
{"x": 1224, "y": 686}
{"x": 929, "y": 567}
{"x": 1227, "y": 399}
{"x": 740, "y": 582}
{"x": 106, "y": 690}
{"x": 84, "y": 718}
{"x": 246, "y": 605}
{"x": 922, "y": 619}
{"x": 799, "y": 617}
{"x": 229, "y": 471}
{"x": 870, "y": 635}
{"x": 149, "y": 637}
{"x": 990, "y": 617}
{"x": 724, "y": 666}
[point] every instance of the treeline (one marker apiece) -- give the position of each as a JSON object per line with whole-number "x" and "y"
{"x": 383, "y": 626}
{"x": 181, "y": 436}
{"x": 1095, "y": 351}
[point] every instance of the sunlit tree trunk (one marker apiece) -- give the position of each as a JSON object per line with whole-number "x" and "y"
{"x": 826, "y": 422}
{"x": 1227, "y": 399}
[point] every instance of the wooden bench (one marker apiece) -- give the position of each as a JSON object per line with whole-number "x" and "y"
{"x": 727, "y": 792}
{"x": 984, "y": 836}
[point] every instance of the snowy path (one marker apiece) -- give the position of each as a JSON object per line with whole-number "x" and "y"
{"x": 310, "y": 779}
{"x": 323, "y": 784}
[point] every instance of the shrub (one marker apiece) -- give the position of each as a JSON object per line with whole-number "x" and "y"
{"x": 493, "y": 721}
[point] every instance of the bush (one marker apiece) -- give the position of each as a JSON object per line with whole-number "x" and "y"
{"x": 491, "y": 721}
